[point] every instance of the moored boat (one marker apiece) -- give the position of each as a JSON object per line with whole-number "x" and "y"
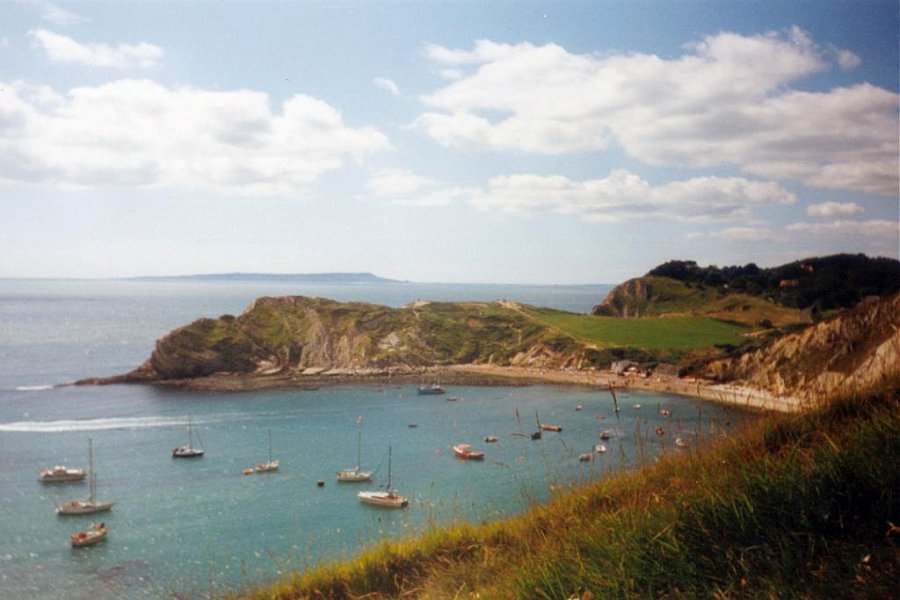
{"x": 271, "y": 464}
{"x": 61, "y": 474}
{"x": 430, "y": 390}
{"x": 550, "y": 427}
{"x": 389, "y": 498}
{"x": 95, "y": 533}
{"x": 88, "y": 505}
{"x": 355, "y": 473}
{"x": 466, "y": 451}
{"x": 188, "y": 451}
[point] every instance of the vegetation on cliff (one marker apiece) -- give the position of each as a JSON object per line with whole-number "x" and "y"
{"x": 799, "y": 506}
{"x": 778, "y": 296}
{"x": 291, "y": 334}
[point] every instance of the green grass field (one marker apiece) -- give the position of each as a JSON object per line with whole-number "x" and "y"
{"x": 669, "y": 333}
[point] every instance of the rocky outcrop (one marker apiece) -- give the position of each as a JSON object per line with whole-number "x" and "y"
{"x": 853, "y": 350}
{"x": 626, "y": 299}
{"x": 296, "y": 335}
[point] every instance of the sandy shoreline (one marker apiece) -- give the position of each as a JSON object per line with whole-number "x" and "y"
{"x": 484, "y": 375}
{"x": 721, "y": 393}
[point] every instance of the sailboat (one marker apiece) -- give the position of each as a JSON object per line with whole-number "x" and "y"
{"x": 188, "y": 451}
{"x": 356, "y": 473}
{"x": 389, "y": 498}
{"x": 271, "y": 465}
{"x": 88, "y": 505}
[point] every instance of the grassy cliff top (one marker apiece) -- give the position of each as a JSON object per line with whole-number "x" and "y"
{"x": 291, "y": 334}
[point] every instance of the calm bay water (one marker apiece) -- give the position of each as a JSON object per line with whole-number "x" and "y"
{"x": 192, "y": 527}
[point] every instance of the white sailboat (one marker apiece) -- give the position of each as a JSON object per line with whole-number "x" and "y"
{"x": 188, "y": 451}
{"x": 271, "y": 465}
{"x": 356, "y": 473}
{"x": 87, "y": 505}
{"x": 389, "y": 498}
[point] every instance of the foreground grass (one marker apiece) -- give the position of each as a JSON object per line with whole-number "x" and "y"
{"x": 801, "y": 506}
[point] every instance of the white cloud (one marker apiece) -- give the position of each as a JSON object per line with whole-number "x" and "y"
{"x": 745, "y": 234}
{"x": 396, "y": 182}
{"x": 726, "y": 101}
{"x": 61, "y": 48}
{"x": 141, "y": 133}
{"x": 387, "y": 84}
{"x": 865, "y": 229}
{"x": 622, "y": 196}
{"x": 847, "y": 60}
{"x": 59, "y": 16}
{"x": 834, "y": 209}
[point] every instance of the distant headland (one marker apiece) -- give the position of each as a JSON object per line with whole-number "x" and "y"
{"x": 284, "y": 277}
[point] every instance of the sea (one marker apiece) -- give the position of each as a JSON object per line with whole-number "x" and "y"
{"x": 200, "y": 528}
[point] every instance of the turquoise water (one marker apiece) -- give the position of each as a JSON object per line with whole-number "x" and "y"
{"x": 191, "y": 527}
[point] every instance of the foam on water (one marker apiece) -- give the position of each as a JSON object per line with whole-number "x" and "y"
{"x": 69, "y": 425}
{"x": 34, "y": 388}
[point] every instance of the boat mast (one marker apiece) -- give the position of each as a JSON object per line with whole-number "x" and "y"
{"x": 91, "y": 467}
{"x": 389, "y": 470}
{"x": 359, "y": 450}
{"x": 270, "y": 444}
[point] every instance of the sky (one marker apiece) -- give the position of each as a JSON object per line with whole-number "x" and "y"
{"x": 474, "y": 142}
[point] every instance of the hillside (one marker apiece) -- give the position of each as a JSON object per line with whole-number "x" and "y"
{"x": 756, "y": 297}
{"x": 851, "y": 350}
{"x": 297, "y": 335}
{"x": 655, "y": 296}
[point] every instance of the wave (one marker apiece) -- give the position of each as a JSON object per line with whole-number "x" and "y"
{"x": 34, "y": 388}
{"x": 67, "y": 425}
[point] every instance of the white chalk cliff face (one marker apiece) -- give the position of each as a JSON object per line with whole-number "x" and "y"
{"x": 857, "y": 348}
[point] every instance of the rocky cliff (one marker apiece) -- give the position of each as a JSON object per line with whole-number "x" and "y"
{"x": 290, "y": 335}
{"x": 654, "y": 296}
{"x": 852, "y": 350}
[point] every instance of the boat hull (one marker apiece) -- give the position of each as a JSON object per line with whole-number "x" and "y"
{"x": 384, "y": 499}
{"x": 61, "y": 475}
{"x": 434, "y": 390}
{"x": 466, "y": 453}
{"x": 267, "y": 467}
{"x": 81, "y": 507}
{"x": 89, "y": 537}
{"x": 186, "y": 453}
{"x": 353, "y": 475}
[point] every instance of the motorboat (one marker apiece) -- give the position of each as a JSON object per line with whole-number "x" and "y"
{"x": 61, "y": 474}
{"x": 430, "y": 390}
{"x": 465, "y": 451}
{"x": 95, "y": 533}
